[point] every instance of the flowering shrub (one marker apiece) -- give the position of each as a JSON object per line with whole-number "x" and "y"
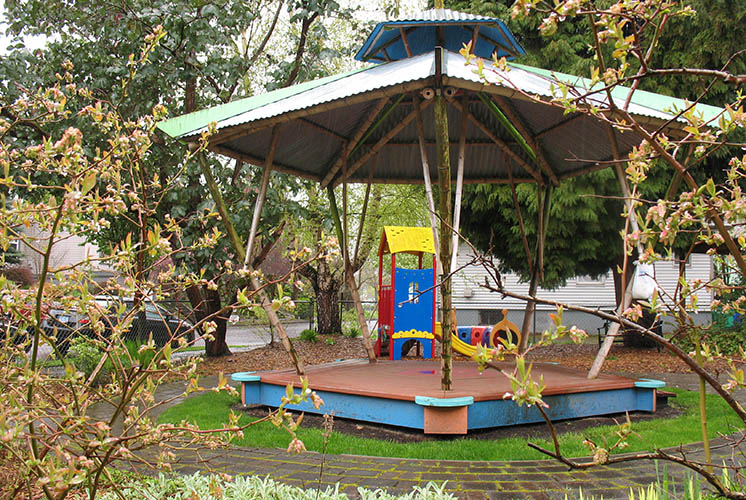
{"x": 70, "y": 165}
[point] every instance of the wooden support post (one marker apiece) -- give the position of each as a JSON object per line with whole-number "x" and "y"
{"x": 626, "y": 288}
{"x": 261, "y": 195}
{"x": 428, "y": 185}
{"x": 537, "y": 270}
{"x": 459, "y": 190}
{"x": 350, "y": 277}
{"x": 274, "y": 320}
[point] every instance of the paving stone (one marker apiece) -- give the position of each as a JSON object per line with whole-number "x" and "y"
{"x": 490, "y": 469}
{"x": 505, "y": 495}
{"x": 407, "y": 484}
{"x": 537, "y": 495}
{"x": 472, "y": 485}
{"x": 375, "y": 483}
{"x": 532, "y": 476}
{"x": 363, "y": 473}
{"x": 434, "y": 476}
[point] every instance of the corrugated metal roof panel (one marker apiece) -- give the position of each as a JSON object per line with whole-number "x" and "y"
{"x": 443, "y": 15}
{"x": 319, "y": 117}
{"x": 351, "y": 84}
{"x": 527, "y": 80}
{"x": 192, "y": 123}
{"x": 643, "y": 103}
{"x": 385, "y": 43}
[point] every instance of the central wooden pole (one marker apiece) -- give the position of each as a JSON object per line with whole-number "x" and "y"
{"x": 442, "y": 147}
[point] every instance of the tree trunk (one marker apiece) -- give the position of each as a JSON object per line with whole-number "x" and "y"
{"x": 218, "y": 346}
{"x": 528, "y": 315}
{"x": 204, "y": 304}
{"x": 327, "y": 301}
{"x": 327, "y": 286}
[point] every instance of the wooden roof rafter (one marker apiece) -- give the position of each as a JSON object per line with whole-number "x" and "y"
{"x": 504, "y": 147}
{"x": 474, "y": 30}
{"x": 521, "y": 127}
{"x": 354, "y": 141}
{"x": 380, "y": 144}
{"x": 404, "y": 30}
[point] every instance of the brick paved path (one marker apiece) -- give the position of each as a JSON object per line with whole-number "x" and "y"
{"x": 533, "y": 479}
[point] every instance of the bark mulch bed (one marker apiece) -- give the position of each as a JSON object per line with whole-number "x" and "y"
{"x": 621, "y": 360}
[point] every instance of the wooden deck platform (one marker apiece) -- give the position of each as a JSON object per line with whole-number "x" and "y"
{"x": 408, "y": 394}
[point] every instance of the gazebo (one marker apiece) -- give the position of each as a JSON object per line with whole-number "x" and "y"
{"x": 424, "y": 107}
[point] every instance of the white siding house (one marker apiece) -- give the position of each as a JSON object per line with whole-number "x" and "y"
{"x": 70, "y": 250}
{"x": 477, "y": 305}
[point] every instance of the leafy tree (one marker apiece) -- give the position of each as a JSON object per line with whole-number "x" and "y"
{"x": 583, "y": 235}
{"x": 387, "y": 205}
{"x": 55, "y": 439}
{"x": 211, "y": 53}
{"x": 625, "y": 37}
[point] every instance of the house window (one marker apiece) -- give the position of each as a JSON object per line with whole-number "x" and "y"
{"x": 489, "y": 316}
{"x": 590, "y": 280}
{"x": 675, "y": 263}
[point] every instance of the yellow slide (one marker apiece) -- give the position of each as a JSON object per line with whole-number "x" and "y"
{"x": 462, "y": 347}
{"x": 458, "y": 345}
{"x": 467, "y": 349}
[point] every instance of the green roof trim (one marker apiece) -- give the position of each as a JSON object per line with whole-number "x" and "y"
{"x": 185, "y": 125}
{"x": 651, "y": 100}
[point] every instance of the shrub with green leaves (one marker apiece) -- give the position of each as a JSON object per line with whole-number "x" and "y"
{"x": 350, "y": 324}
{"x": 727, "y": 333}
{"x": 255, "y": 488}
{"x": 309, "y": 335}
{"x": 84, "y": 355}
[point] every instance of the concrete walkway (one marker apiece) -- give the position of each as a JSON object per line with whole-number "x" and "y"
{"x": 536, "y": 479}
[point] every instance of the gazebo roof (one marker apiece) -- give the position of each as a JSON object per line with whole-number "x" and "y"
{"x": 418, "y": 33}
{"x": 357, "y": 116}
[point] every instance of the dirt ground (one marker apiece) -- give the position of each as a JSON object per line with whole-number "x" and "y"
{"x": 621, "y": 360}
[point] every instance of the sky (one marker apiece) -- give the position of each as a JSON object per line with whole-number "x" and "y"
{"x": 32, "y": 42}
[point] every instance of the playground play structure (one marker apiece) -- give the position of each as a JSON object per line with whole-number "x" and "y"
{"x": 407, "y": 302}
{"x": 372, "y": 125}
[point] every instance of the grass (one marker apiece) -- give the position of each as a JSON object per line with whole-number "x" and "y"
{"x": 210, "y": 411}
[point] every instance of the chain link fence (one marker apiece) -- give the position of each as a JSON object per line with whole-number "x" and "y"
{"x": 164, "y": 322}
{"x": 307, "y": 310}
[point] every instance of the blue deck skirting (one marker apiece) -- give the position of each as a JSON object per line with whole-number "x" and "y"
{"x": 481, "y": 414}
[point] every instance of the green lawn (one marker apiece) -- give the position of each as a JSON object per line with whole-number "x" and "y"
{"x": 210, "y": 411}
